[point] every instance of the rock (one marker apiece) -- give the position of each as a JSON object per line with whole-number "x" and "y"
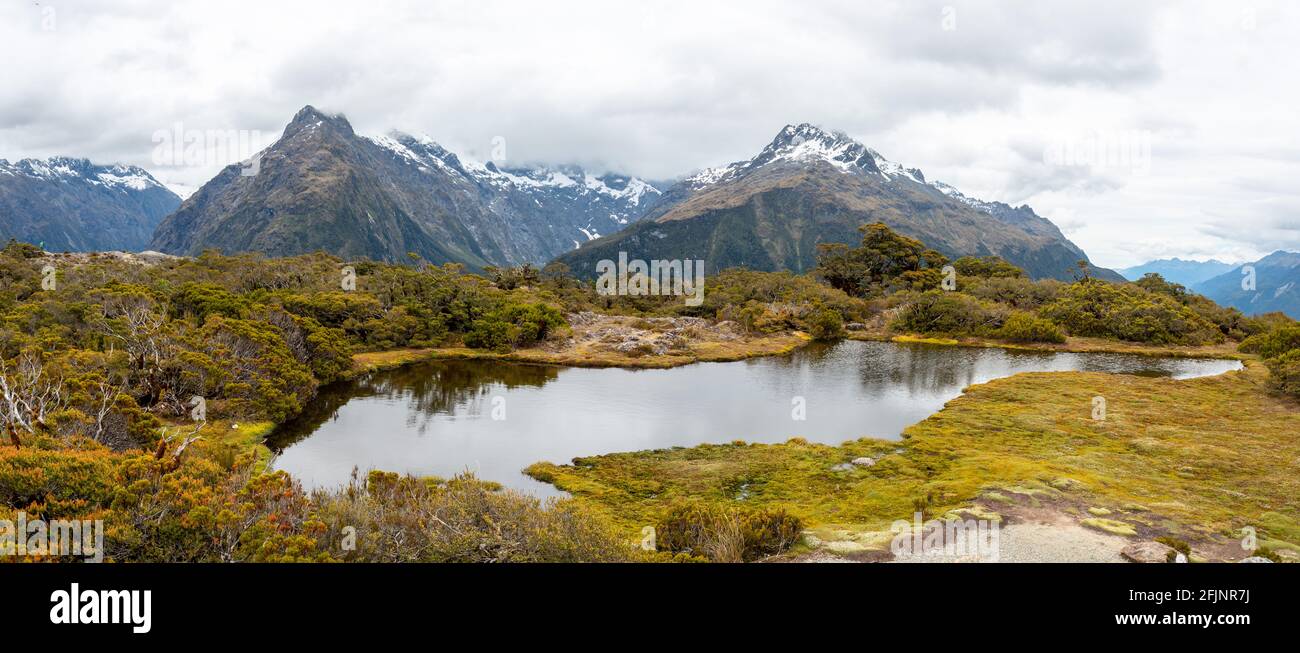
{"x": 1253, "y": 559}
{"x": 855, "y": 326}
{"x": 842, "y": 467}
{"x": 864, "y": 461}
{"x": 1146, "y": 552}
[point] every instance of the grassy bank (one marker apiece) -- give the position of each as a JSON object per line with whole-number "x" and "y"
{"x": 702, "y": 352}
{"x": 1196, "y": 460}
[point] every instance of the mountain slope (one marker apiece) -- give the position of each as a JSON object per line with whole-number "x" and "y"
{"x": 1277, "y": 286}
{"x": 1187, "y": 273}
{"x": 809, "y": 186}
{"x": 66, "y": 204}
{"x": 322, "y": 186}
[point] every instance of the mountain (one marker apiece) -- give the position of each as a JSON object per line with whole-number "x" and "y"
{"x": 1187, "y": 273}
{"x": 66, "y": 204}
{"x": 321, "y": 186}
{"x": 1277, "y": 286}
{"x": 810, "y": 186}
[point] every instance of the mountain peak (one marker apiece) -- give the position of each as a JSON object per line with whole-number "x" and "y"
{"x": 310, "y": 118}
{"x": 807, "y": 143}
{"x": 798, "y": 134}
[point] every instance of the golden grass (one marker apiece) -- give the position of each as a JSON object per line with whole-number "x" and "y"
{"x": 1200, "y": 459}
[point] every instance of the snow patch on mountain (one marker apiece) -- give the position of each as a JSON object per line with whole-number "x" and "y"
{"x": 618, "y": 198}
{"x": 805, "y": 143}
{"x": 70, "y": 170}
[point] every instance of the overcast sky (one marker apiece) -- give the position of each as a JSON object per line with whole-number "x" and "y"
{"x": 1193, "y": 109}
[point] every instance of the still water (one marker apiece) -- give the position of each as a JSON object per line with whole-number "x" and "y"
{"x": 495, "y": 418}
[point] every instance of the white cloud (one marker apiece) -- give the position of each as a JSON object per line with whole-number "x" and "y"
{"x": 660, "y": 89}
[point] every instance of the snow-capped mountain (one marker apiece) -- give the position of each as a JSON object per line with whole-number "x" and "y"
{"x": 805, "y": 144}
{"x": 323, "y": 187}
{"x": 70, "y": 204}
{"x": 593, "y": 204}
{"x": 810, "y": 186}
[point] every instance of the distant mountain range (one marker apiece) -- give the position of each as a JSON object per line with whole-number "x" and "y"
{"x": 810, "y": 186}
{"x": 324, "y": 187}
{"x": 1187, "y": 273}
{"x": 67, "y": 204}
{"x": 1276, "y": 286}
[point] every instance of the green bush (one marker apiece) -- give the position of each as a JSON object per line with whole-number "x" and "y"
{"x": 939, "y": 312}
{"x": 1019, "y": 293}
{"x": 1284, "y": 372}
{"x": 1128, "y": 312}
{"x": 488, "y": 333}
{"x": 199, "y": 300}
{"x": 1023, "y": 327}
{"x": 517, "y": 325}
{"x": 884, "y": 260}
{"x": 1272, "y": 344}
{"x": 988, "y": 267}
{"x": 826, "y": 324}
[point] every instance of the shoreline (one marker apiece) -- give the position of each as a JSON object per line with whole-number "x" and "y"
{"x": 826, "y": 539}
{"x": 777, "y": 345}
{"x": 1072, "y": 345}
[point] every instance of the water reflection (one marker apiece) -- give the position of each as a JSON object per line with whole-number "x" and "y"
{"x": 435, "y": 418}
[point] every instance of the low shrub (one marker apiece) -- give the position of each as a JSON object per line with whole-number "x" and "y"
{"x": 1023, "y": 327}
{"x": 724, "y": 534}
{"x": 517, "y": 325}
{"x": 825, "y": 324}
{"x": 1284, "y": 372}
{"x": 1273, "y": 343}
{"x": 949, "y": 313}
{"x": 1128, "y": 312}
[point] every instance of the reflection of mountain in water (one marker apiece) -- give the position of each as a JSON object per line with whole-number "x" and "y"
{"x": 921, "y": 370}
{"x": 428, "y": 390}
{"x": 913, "y": 369}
